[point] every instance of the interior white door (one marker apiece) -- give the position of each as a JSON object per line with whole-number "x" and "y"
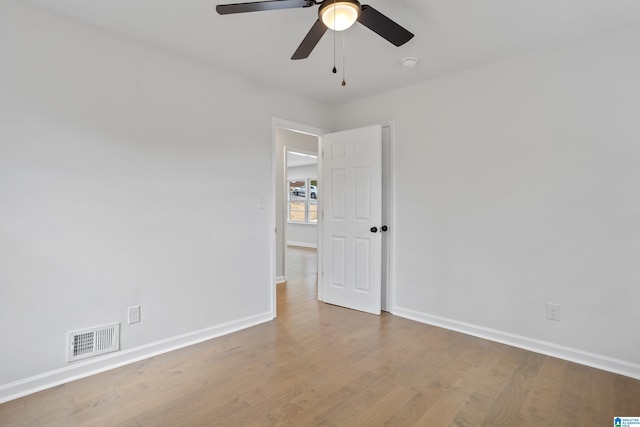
{"x": 352, "y": 206}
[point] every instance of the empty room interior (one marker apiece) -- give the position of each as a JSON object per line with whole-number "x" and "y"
{"x": 245, "y": 214}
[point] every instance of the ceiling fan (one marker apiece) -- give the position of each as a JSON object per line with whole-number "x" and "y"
{"x": 337, "y": 15}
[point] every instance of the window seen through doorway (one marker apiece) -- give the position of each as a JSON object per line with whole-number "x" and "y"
{"x": 302, "y": 201}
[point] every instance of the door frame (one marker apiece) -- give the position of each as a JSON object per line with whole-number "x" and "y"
{"x": 388, "y": 200}
{"x": 388, "y": 215}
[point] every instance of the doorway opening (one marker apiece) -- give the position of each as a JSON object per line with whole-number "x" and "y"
{"x": 301, "y": 210}
{"x": 296, "y": 188}
{"x": 284, "y": 135}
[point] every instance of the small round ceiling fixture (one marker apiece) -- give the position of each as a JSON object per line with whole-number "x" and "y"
{"x": 339, "y": 15}
{"x": 409, "y": 62}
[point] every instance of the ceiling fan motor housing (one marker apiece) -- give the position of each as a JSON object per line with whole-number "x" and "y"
{"x": 338, "y": 15}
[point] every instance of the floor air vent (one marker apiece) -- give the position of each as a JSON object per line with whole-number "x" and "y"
{"x": 93, "y": 341}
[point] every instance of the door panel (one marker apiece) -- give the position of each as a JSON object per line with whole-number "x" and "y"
{"x": 362, "y": 193}
{"x": 338, "y": 195}
{"x": 352, "y": 170}
{"x": 362, "y": 277}
{"x": 338, "y": 258}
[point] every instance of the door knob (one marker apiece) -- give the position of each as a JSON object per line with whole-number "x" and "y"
{"x": 384, "y": 228}
{"x": 374, "y": 229}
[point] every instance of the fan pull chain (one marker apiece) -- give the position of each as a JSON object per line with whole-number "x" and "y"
{"x": 334, "y": 38}
{"x": 334, "y": 53}
{"x": 344, "y": 56}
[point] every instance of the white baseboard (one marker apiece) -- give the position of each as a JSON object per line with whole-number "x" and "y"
{"x": 109, "y": 361}
{"x": 566, "y": 353}
{"x": 281, "y": 279}
{"x": 303, "y": 245}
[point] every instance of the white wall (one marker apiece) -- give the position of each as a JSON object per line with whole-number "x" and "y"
{"x": 516, "y": 185}
{"x": 122, "y": 171}
{"x": 302, "y": 235}
{"x": 302, "y": 172}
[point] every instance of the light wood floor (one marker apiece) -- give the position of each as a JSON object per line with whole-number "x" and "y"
{"x": 321, "y": 365}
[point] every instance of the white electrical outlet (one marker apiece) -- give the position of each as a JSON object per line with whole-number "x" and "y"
{"x": 553, "y": 311}
{"x": 134, "y": 314}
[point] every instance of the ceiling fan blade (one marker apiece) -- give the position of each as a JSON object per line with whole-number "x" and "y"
{"x": 383, "y": 26}
{"x": 310, "y": 41}
{"x": 225, "y": 9}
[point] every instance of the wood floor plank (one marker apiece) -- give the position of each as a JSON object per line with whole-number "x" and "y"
{"x": 506, "y": 409}
{"x": 391, "y": 408}
{"x": 369, "y": 391}
{"x": 572, "y": 391}
{"x": 538, "y": 407}
{"x": 473, "y": 411}
{"x": 322, "y": 365}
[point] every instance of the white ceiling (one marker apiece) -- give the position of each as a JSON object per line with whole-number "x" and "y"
{"x": 295, "y": 159}
{"x": 450, "y": 36}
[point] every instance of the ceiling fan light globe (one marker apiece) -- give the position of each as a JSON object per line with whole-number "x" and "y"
{"x": 340, "y": 15}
